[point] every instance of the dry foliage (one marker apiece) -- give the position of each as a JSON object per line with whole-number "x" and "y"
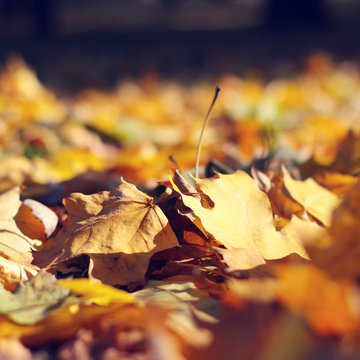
{"x": 258, "y": 258}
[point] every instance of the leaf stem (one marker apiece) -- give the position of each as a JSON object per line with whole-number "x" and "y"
{"x": 217, "y": 90}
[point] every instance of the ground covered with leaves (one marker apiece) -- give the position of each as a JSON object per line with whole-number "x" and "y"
{"x": 112, "y": 248}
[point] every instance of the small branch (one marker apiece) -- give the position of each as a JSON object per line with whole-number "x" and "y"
{"x": 217, "y": 90}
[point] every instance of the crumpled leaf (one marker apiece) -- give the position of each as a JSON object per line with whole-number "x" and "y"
{"x": 119, "y": 230}
{"x": 34, "y": 300}
{"x": 315, "y": 199}
{"x": 17, "y": 269}
{"x": 241, "y": 216}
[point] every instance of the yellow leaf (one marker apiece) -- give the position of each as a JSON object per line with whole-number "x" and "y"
{"x": 315, "y": 199}
{"x": 302, "y": 231}
{"x": 241, "y": 259}
{"x": 96, "y": 292}
{"x": 241, "y": 216}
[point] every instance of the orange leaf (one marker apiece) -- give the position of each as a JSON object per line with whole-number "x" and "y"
{"x": 36, "y": 220}
{"x": 325, "y": 303}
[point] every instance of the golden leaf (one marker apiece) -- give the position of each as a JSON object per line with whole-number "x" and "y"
{"x": 315, "y": 199}
{"x": 241, "y": 216}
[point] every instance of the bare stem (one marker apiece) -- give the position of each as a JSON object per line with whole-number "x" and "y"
{"x": 217, "y": 90}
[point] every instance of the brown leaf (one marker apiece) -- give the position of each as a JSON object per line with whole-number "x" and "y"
{"x": 119, "y": 230}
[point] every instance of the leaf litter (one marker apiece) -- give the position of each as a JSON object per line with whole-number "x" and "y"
{"x": 256, "y": 257}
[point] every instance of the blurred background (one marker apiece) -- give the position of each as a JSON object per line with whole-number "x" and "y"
{"x": 77, "y": 44}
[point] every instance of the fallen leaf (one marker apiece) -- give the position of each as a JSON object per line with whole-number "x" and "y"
{"x": 17, "y": 269}
{"x": 327, "y": 304}
{"x": 337, "y": 183}
{"x": 34, "y": 300}
{"x": 12, "y": 240}
{"x": 303, "y": 231}
{"x": 241, "y": 216}
{"x": 96, "y": 292}
{"x": 58, "y": 325}
{"x": 186, "y": 304}
{"x": 119, "y": 230}
{"x": 338, "y": 253}
{"x": 36, "y": 220}
{"x": 348, "y": 157}
{"x": 315, "y": 199}
{"x": 281, "y": 202}
{"x": 241, "y": 259}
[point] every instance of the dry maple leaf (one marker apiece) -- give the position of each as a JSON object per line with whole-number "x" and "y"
{"x": 241, "y": 216}
{"x": 119, "y": 230}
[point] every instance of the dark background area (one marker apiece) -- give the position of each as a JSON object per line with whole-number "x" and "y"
{"x": 77, "y": 44}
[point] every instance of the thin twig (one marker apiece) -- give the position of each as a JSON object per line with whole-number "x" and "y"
{"x": 217, "y": 90}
